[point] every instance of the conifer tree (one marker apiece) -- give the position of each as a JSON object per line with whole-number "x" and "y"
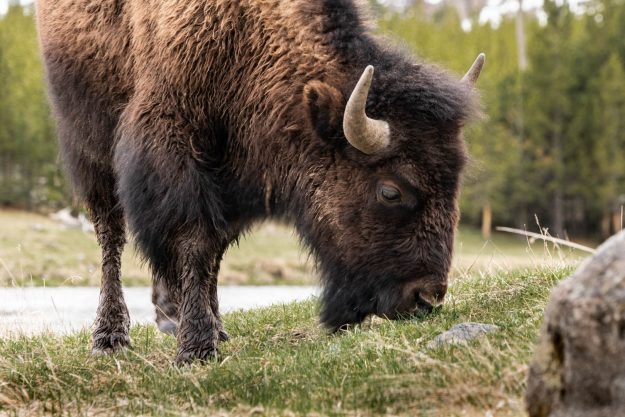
{"x": 609, "y": 142}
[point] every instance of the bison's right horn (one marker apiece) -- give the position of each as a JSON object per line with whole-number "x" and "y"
{"x": 365, "y": 134}
{"x": 474, "y": 72}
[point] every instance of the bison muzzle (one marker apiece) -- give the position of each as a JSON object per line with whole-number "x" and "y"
{"x": 189, "y": 120}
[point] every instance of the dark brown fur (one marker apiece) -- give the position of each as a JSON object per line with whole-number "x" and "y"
{"x": 193, "y": 119}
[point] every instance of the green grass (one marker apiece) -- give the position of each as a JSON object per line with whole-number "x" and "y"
{"x": 280, "y": 362}
{"x": 35, "y": 250}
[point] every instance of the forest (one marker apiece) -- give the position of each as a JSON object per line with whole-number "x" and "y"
{"x": 549, "y": 150}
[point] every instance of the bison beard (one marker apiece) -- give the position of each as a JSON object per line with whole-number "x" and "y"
{"x": 191, "y": 120}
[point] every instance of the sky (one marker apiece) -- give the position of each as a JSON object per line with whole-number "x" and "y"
{"x": 4, "y": 5}
{"x": 492, "y": 13}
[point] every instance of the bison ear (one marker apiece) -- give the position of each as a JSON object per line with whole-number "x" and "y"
{"x": 324, "y": 106}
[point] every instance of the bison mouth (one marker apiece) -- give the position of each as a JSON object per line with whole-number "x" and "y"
{"x": 418, "y": 307}
{"x": 414, "y": 298}
{"x": 422, "y": 305}
{"x": 343, "y": 305}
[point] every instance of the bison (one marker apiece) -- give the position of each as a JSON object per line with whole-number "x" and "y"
{"x": 189, "y": 120}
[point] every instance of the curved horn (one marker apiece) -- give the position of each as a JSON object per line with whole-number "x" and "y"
{"x": 474, "y": 72}
{"x": 365, "y": 134}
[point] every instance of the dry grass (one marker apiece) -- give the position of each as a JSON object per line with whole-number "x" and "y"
{"x": 35, "y": 250}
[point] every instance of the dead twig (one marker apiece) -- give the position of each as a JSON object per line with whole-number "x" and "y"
{"x": 546, "y": 238}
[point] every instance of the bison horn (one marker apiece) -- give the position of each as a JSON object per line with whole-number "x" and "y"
{"x": 365, "y": 134}
{"x": 474, "y": 72}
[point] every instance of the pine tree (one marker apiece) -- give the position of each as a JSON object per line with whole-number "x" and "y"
{"x": 548, "y": 113}
{"x": 29, "y": 174}
{"x": 609, "y": 141}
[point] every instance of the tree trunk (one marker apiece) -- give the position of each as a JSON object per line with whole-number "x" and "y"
{"x": 558, "y": 212}
{"x": 487, "y": 219}
{"x": 520, "y": 38}
{"x": 605, "y": 225}
{"x": 617, "y": 221}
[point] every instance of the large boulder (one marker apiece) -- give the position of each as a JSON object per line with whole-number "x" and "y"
{"x": 578, "y": 369}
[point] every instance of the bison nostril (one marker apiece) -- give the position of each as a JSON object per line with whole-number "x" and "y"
{"x": 421, "y": 303}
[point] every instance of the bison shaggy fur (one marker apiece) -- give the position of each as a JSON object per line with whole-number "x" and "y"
{"x": 187, "y": 121}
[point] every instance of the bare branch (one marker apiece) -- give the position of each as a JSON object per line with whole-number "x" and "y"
{"x": 547, "y": 238}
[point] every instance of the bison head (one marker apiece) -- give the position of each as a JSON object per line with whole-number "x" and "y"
{"x": 383, "y": 212}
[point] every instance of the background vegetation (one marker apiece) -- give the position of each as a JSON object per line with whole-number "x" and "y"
{"x": 29, "y": 174}
{"x": 552, "y": 146}
{"x": 553, "y": 142}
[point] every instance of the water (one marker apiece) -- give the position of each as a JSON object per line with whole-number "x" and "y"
{"x": 68, "y": 309}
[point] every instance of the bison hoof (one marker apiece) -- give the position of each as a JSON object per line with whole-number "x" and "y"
{"x": 223, "y": 336}
{"x": 106, "y": 344}
{"x": 185, "y": 357}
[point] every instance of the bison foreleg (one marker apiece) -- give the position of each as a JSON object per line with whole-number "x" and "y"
{"x": 172, "y": 201}
{"x": 112, "y": 319}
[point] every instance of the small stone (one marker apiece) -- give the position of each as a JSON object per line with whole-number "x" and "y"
{"x": 461, "y": 334}
{"x": 37, "y": 227}
{"x": 66, "y": 218}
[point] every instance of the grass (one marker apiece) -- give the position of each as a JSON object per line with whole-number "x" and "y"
{"x": 35, "y": 250}
{"x": 280, "y": 362}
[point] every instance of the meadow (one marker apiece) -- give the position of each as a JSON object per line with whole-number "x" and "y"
{"x": 280, "y": 362}
{"x": 35, "y": 251}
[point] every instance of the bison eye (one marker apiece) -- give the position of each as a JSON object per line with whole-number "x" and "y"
{"x": 389, "y": 193}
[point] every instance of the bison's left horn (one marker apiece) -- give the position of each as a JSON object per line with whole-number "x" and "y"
{"x": 474, "y": 72}
{"x": 365, "y": 134}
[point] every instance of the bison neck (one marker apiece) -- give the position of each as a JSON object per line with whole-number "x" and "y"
{"x": 274, "y": 157}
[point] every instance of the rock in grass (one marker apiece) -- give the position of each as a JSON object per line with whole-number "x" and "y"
{"x": 578, "y": 368}
{"x": 461, "y": 334}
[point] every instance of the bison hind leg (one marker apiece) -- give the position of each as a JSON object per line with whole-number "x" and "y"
{"x": 165, "y": 307}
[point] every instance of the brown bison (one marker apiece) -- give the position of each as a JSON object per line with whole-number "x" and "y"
{"x": 190, "y": 120}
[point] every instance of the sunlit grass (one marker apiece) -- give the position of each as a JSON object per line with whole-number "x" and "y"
{"x": 35, "y": 250}
{"x": 280, "y": 362}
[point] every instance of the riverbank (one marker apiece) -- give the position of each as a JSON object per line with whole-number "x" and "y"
{"x": 62, "y": 310}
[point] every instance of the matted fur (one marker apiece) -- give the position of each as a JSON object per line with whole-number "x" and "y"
{"x": 192, "y": 119}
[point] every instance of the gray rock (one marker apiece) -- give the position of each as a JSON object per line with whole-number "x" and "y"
{"x": 66, "y": 218}
{"x": 461, "y": 334}
{"x": 37, "y": 227}
{"x": 578, "y": 368}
